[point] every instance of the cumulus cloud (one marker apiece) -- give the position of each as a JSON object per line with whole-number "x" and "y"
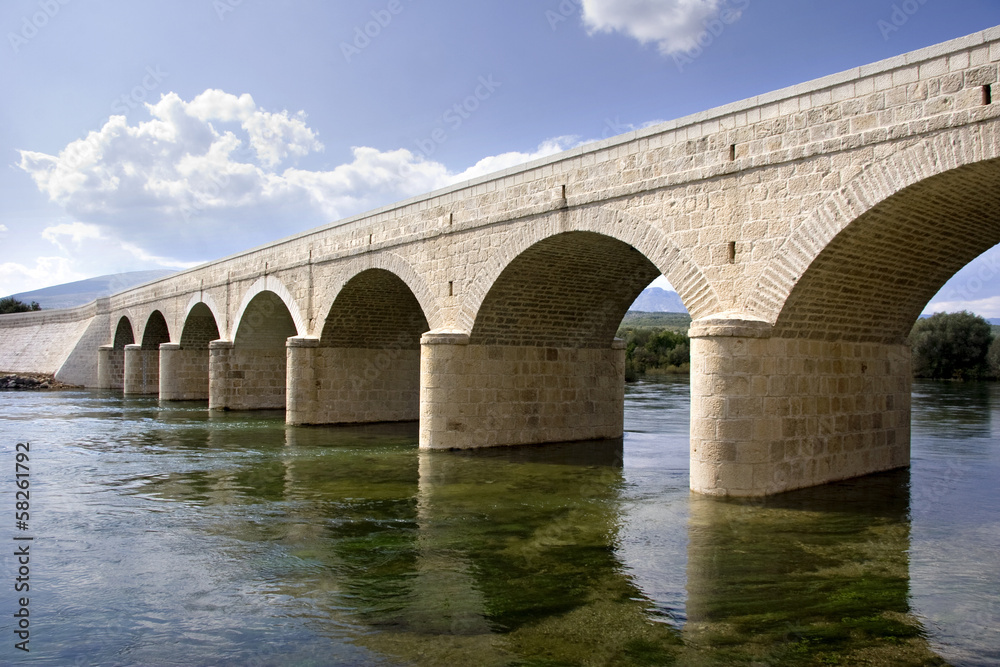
{"x": 674, "y": 25}
{"x": 217, "y": 174}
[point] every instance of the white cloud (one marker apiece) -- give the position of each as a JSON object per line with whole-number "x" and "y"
{"x": 203, "y": 178}
{"x": 47, "y": 271}
{"x": 3, "y": 229}
{"x": 76, "y": 232}
{"x": 488, "y": 165}
{"x": 988, "y": 307}
{"x": 674, "y": 25}
{"x": 87, "y": 251}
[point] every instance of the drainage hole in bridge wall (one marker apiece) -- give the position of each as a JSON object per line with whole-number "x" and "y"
{"x": 987, "y": 94}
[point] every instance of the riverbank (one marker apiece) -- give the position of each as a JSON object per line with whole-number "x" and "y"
{"x": 32, "y": 382}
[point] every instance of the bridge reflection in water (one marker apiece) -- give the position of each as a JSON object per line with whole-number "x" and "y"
{"x": 534, "y": 554}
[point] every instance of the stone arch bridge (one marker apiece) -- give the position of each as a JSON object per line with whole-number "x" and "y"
{"x": 804, "y": 230}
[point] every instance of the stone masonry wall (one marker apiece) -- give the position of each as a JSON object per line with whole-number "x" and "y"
{"x": 776, "y": 414}
{"x": 489, "y": 395}
{"x": 353, "y": 385}
{"x": 142, "y": 371}
{"x": 246, "y": 379}
{"x": 183, "y": 373}
{"x": 42, "y": 341}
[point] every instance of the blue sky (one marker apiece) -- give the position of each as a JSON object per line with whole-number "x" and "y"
{"x": 153, "y": 134}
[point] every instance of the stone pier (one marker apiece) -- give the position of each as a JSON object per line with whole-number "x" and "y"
{"x": 183, "y": 373}
{"x": 142, "y": 371}
{"x": 329, "y": 385}
{"x": 489, "y": 395}
{"x": 110, "y": 368}
{"x": 774, "y": 414}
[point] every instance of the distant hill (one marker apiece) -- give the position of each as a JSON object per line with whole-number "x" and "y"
{"x": 82, "y": 292}
{"x": 658, "y": 300}
{"x": 638, "y": 319}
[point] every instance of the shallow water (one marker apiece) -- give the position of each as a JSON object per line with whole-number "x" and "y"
{"x": 166, "y": 535}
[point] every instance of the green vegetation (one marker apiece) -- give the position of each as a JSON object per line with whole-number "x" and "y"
{"x": 954, "y": 346}
{"x": 655, "y": 350}
{"x": 993, "y": 356}
{"x": 9, "y": 304}
{"x": 950, "y": 346}
{"x": 676, "y": 321}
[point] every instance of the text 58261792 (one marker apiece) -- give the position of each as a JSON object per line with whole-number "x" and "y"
{"x": 22, "y": 542}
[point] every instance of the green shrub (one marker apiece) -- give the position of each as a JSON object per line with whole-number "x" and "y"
{"x": 9, "y": 304}
{"x": 951, "y": 346}
{"x": 993, "y": 357}
{"x": 652, "y": 349}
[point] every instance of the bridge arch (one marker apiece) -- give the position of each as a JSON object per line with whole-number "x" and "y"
{"x": 251, "y": 371}
{"x": 270, "y": 285}
{"x": 874, "y": 277}
{"x": 203, "y": 302}
{"x": 185, "y": 365}
{"x": 124, "y": 334}
{"x": 655, "y": 245}
{"x": 365, "y": 365}
{"x": 887, "y": 220}
{"x": 568, "y": 290}
{"x": 375, "y": 309}
{"x": 155, "y": 331}
{"x": 200, "y": 326}
{"x": 387, "y": 263}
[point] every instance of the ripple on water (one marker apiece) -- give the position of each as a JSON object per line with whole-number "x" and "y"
{"x": 171, "y": 535}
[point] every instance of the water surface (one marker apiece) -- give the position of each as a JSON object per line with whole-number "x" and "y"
{"x": 167, "y": 535}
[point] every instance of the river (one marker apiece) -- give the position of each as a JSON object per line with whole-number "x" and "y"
{"x": 168, "y": 535}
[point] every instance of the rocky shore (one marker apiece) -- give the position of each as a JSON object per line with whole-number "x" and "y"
{"x": 31, "y": 381}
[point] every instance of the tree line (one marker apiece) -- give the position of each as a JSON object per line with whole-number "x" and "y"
{"x": 9, "y": 304}
{"x": 945, "y": 346}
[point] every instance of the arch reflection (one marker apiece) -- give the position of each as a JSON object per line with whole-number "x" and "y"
{"x": 809, "y": 577}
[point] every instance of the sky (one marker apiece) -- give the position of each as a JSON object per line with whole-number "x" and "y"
{"x": 163, "y": 134}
